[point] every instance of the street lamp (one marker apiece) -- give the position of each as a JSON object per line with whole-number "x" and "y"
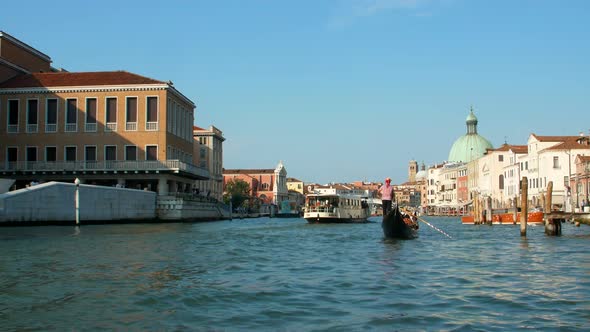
{"x": 77, "y": 201}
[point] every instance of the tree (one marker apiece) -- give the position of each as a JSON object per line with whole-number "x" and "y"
{"x": 238, "y": 190}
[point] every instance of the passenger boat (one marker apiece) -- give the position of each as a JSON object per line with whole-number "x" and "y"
{"x": 505, "y": 217}
{"x": 399, "y": 226}
{"x": 336, "y": 208}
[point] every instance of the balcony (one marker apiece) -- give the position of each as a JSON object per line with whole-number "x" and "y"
{"x": 71, "y": 128}
{"x": 106, "y": 167}
{"x": 90, "y": 127}
{"x": 50, "y": 127}
{"x": 12, "y": 129}
{"x": 131, "y": 126}
{"x": 111, "y": 126}
{"x": 32, "y": 128}
{"x": 151, "y": 126}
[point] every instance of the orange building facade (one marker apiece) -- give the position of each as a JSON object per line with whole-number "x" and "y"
{"x": 106, "y": 128}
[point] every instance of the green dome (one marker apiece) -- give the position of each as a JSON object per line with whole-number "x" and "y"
{"x": 471, "y": 145}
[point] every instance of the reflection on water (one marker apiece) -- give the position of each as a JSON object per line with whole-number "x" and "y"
{"x": 285, "y": 274}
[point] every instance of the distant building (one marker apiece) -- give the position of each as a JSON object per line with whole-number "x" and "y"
{"x": 579, "y": 187}
{"x": 295, "y": 185}
{"x": 209, "y": 153}
{"x": 269, "y": 185}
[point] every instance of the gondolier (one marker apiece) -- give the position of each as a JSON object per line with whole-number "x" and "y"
{"x": 387, "y": 196}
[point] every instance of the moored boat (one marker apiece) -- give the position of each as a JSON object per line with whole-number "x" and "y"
{"x": 336, "y": 208}
{"x": 398, "y": 226}
{"x": 534, "y": 217}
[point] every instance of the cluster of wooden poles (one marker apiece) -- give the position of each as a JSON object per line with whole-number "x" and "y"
{"x": 482, "y": 210}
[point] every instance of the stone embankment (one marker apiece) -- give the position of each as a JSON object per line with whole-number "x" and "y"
{"x": 54, "y": 203}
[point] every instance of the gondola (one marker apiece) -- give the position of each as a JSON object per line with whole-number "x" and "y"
{"x": 398, "y": 226}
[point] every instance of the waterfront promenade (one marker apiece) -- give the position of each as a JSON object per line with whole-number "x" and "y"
{"x": 285, "y": 274}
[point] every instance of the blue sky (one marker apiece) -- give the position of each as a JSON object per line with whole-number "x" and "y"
{"x": 339, "y": 90}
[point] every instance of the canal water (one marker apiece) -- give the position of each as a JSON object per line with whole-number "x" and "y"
{"x": 286, "y": 275}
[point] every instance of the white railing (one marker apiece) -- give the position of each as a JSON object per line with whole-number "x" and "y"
{"x": 111, "y": 126}
{"x": 174, "y": 166}
{"x": 330, "y": 210}
{"x": 32, "y": 128}
{"x": 12, "y": 129}
{"x": 50, "y": 127}
{"x": 131, "y": 126}
{"x": 151, "y": 126}
{"x": 90, "y": 127}
{"x": 71, "y": 127}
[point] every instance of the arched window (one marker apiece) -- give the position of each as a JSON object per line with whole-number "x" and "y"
{"x": 501, "y": 182}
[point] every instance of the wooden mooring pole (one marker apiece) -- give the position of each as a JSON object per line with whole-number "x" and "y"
{"x": 489, "y": 217}
{"x": 515, "y": 204}
{"x": 524, "y": 205}
{"x": 476, "y": 213}
{"x": 552, "y": 226}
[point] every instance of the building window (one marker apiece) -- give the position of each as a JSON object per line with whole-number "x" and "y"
{"x": 90, "y": 115}
{"x": 501, "y": 157}
{"x": 90, "y": 156}
{"x": 32, "y": 116}
{"x": 555, "y": 162}
{"x": 70, "y": 153}
{"x": 526, "y": 165}
{"x": 111, "y": 114}
{"x": 51, "y": 116}
{"x": 130, "y": 152}
{"x": 110, "y": 152}
{"x": 151, "y": 113}
{"x": 151, "y": 152}
{"x": 71, "y": 115}
{"x": 131, "y": 114}
{"x": 50, "y": 153}
{"x": 13, "y": 108}
{"x": 31, "y": 153}
{"x": 11, "y": 157}
{"x": 501, "y": 182}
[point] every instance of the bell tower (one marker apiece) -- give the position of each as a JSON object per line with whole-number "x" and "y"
{"x": 412, "y": 170}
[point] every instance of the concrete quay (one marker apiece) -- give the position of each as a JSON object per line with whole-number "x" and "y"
{"x": 53, "y": 203}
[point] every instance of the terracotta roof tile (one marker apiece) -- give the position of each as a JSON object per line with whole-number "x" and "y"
{"x": 570, "y": 145}
{"x": 66, "y": 79}
{"x": 248, "y": 171}
{"x": 514, "y": 148}
{"x": 555, "y": 138}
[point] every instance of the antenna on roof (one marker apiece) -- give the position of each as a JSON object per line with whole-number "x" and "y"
{"x": 506, "y": 140}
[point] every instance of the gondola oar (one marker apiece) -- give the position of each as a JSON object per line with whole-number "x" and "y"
{"x": 436, "y": 228}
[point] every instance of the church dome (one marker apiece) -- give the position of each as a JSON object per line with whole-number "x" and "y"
{"x": 471, "y": 145}
{"x": 422, "y": 174}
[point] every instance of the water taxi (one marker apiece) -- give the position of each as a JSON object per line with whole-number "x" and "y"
{"x": 336, "y": 208}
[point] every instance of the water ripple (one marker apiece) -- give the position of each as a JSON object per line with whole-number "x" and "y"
{"x": 287, "y": 275}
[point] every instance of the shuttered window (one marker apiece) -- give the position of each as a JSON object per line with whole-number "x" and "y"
{"x": 152, "y": 109}
{"x": 111, "y": 111}
{"x": 51, "y": 111}
{"x": 132, "y": 109}
{"x": 32, "y": 111}
{"x": 71, "y": 111}
{"x": 91, "y": 110}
